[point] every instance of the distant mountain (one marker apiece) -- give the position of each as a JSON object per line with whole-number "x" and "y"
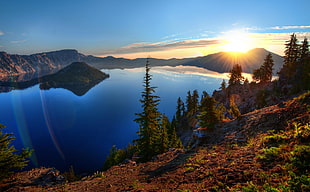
{"x": 47, "y": 63}
{"x": 41, "y": 63}
{"x": 77, "y": 77}
{"x": 224, "y": 61}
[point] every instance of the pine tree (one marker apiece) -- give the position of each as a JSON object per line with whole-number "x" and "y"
{"x": 292, "y": 54}
{"x": 303, "y": 68}
{"x": 235, "y": 76}
{"x": 195, "y": 101}
{"x": 149, "y": 120}
{"x": 174, "y": 140}
{"x": 304, "y": 50}
{"x": 208, "y": 115}
{"x": 234, "y": 110}
{"x": 180, "y": 109}
{"x": 189, "y": 101}
{"x": 9, "y": 159}
{"x": 223, "y": 85}
{"x": 264, "y": 73}
{"x": 164, "y": 140}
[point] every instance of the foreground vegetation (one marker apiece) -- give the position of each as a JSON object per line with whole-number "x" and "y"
{"x": 10, "y": 160}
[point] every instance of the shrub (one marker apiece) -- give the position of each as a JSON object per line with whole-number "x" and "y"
{"x": 269, "y": 154}
{"x": 117, "y": 156}
{"x": 70, "y": 176}
{"x": 261, "y": 98}
{"x": 301, "y": 157}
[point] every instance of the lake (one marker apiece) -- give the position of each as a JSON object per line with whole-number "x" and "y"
{"x": 65, "y": 129}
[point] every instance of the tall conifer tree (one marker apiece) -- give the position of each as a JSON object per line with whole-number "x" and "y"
{"x": 304, "y": 50}
{"x": 235, "y": 76}
{"x": 264, "y": 73}
{"x": 292, "y": 54}
{"x": 149, "y": 120}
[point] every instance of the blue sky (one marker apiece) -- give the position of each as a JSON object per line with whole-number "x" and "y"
{"x": 137, "y": 28}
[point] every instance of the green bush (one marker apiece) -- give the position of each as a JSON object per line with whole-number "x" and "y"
{"x": 301, "y": 157}
{"x": 70, "y": 176}
{"x": 261, "y": 98}
{"x": 117, "y": 156}
{"x": 269, "y": 154}
{"x": 250, "y": 187}
{"x": 10, "y": 160}
{"x": 299, "y": 183}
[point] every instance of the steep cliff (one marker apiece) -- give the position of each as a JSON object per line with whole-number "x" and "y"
{"x": 41, "y": 63}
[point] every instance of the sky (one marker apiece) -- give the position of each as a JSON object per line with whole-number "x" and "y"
{"x": 158, "y": 28}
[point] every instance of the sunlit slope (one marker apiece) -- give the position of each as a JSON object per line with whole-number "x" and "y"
{"x": 223, "y": 61}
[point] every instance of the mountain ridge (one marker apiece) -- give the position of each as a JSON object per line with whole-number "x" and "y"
{"x": 50, "y": 62}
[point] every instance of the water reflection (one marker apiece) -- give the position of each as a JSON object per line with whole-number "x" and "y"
{"x": 24, "y": 81}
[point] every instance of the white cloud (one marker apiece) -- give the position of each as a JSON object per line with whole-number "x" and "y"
{"x": 1, "y": 32}
{"x": 162, "y": 46}
{"x": 18, "y": 41}
{"x": 301, "y": 27}
{"x": 291, "y": 27}
{"x": 180, "y": 48}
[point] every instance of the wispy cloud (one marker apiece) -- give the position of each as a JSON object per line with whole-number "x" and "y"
{"x": 160, "y": 46}
{"x": 202, "y": 45}
{"x": 291, "y": 27}
{"x": 1, "y": 32}
{"x": 297, "y": 27}
{"x": 18, "y": 41}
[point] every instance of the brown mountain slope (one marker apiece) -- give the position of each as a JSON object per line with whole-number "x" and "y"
{"x": 257, "y": 151}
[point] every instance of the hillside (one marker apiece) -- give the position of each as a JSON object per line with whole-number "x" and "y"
{"x": 50, "y": 62}
{"x": 43, "y": 63}
{"x": 264, "y": 150}
{"x": 78, "y": 77}
{"x": 224, "y": 61}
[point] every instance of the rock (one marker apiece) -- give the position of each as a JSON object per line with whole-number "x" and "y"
{"x": 48, "y": 177}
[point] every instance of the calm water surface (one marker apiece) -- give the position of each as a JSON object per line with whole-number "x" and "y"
{"x": 65, "y": 129}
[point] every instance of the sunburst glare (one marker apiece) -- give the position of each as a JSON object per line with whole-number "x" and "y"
{"x": 238, "y": 41}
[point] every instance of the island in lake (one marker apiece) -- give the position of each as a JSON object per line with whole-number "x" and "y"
{"x": 77, "y": 77}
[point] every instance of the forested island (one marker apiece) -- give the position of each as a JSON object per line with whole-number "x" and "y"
{"x": 77, "y": 77}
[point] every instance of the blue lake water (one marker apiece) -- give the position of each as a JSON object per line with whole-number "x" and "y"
{"x": 65, "y": 129}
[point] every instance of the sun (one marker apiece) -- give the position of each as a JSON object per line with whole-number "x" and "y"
{"x": 238, "y": 41}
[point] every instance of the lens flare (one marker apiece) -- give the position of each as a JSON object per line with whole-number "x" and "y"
{"x": 22, "y": 126}
{"x": 49, "y": 127}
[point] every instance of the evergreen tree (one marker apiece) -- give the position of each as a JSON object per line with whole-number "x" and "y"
{"x": 164, "y": 140}
{"x": 292, "y": 54}
{"x": 195, "y": 101}
{"x": 192, "y": 102}
{"x": 264, "y": 73}
{"x": 204, "y": 94}
{"x": 235, "y": 76}
{"x": 180, "y": 109}
{"x": 304, "y": 51}
{"x": 208, "y": 115}
{"x": 174, "y": 140}
{"x": 234, "y": 110}
{"x": 189, "y": 101}
{"x": 149, "y": 120}
{"x": 223, "y": 85}
{"x": 303, "y": 68}
{"x": 9, "y": 159}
